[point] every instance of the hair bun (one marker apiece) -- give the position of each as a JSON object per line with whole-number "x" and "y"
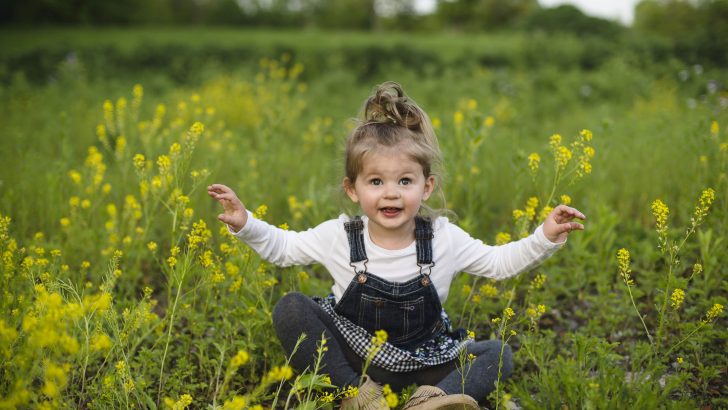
{"x": 390, "y": 104}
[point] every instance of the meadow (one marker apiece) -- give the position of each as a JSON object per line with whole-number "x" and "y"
{"x": 120, "y": 289}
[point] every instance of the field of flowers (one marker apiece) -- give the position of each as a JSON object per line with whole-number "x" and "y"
{"x": 121, "y": 290}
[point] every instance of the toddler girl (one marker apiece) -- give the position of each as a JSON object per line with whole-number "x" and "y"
{"x": 392, "y": 268}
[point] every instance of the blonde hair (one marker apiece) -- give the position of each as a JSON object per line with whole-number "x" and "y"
{"x": 389, "y": 118}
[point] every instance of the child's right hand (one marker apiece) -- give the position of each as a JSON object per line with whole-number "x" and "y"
{"x": 235, "y": 215}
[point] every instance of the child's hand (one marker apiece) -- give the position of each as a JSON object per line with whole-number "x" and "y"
{"x": 235, "y": 215}
{"x": 558, "y": 223}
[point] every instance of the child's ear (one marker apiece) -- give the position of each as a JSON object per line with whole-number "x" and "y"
{"x": 430, "y": 183}
{"x": 348, "y": 186}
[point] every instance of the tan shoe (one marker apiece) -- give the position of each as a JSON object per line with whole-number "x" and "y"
{"x": 370, "y": 397}
{"x": 431, "y": 398}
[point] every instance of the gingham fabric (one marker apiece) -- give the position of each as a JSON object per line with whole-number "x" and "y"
{"x": 442, "y": 348}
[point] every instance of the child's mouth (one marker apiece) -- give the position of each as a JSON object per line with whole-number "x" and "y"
{"x": 390, "y": 212}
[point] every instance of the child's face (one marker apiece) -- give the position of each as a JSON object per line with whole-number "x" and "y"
{"x": 390, "y": 189}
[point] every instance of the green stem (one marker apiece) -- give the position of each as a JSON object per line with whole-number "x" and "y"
{"x": 171, "y": 325}
{"x": 685, "y": 338}
{"x": 649, "y": 337}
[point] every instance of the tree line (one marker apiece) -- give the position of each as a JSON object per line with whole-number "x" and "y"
{"x": 696, "y": 28}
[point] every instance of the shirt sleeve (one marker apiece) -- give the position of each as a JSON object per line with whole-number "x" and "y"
{"x": 286, "y": 248}
{"x": 503, "y": 261}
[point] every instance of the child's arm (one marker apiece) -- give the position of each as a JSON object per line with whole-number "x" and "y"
{"x": 235, "y": 215}
{"x": 559, "y": 223}
{"x": 500, "y": 262}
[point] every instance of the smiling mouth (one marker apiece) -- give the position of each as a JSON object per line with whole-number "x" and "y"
{"x": 390, "y": 211}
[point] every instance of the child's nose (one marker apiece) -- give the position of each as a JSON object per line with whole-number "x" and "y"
{"x": 391, "y": 191}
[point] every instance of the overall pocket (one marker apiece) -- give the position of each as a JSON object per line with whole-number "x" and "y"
{"x": 402, "y": 319}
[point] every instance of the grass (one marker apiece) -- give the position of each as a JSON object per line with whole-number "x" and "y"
{"x": 121, "y": 290}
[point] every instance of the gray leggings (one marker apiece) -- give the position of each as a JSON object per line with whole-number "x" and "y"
{"x": 296, "y": 313}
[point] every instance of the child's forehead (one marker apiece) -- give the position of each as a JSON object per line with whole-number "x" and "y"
{"x": 389, "y": 160}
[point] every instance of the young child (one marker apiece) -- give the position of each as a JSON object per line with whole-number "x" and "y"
{"x": 392, "y": 268}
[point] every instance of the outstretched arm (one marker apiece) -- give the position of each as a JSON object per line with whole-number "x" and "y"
{"x": 234, "y": 211}
{"x": 560, "y": 222}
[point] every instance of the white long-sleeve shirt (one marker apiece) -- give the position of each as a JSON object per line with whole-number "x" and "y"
{"x": 454, "y": 250}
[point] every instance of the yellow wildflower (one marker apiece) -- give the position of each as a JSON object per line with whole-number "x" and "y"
{"x": 502, "y": 238}
{"x": 586, "y": 134}
{"x": 489, "y": 121}
{"x": 458, "y": 117}
{"x": 488, "y": 290}
{"x": 660, "y": 211}
{"x": 240, "y": 359}
{"x": 713, "y": 312}
{"x": 533, "y": 162}
{"x": 623, "y": 266}
{"x": 677, "y": 297}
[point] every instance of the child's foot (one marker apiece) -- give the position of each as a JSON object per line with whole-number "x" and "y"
{"x": 370, "y": 397}
{"x": 431, "y": 397}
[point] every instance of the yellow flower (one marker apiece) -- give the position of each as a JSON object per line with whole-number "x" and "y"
{"x": 326, "y": 398}
{"x": 538, "y": 281}
{"x": 164, "y": 163}
{"x": 99, "y": 342}
{"x": 471, "y": 334}
{"x": 236, "y": 403}
{"x": 623, "y": 266}
{"x": 714, "y": 128}
{"x": 380, "y": 337}
{"x": 704, "y": 203}
{"x": 679, "y": 360}
{"x": 533, "y": 162}
{"x": 240, "y": 359}
{"x": 458, "y": 117}
{"x": 697, "y": 268}
{"x": 660, "y": 211}
{"x": 488, "y": 290}
{"x": 563, "y": 156}
{"x": 351, "y": 391}
{"x": 502, "y": 238}
{"x": 436, "y": 123}
{"x": 139, "y": 162}
{"x": 472, "y": 104}
{"x": 508, "y": 313}
{"x": 277, "y": 374}
{"x": 678, "y": 295}
{"x": 565, "y": 199}
{"x": 489, "y": 121}
{"x": 65, "y": 222}
{"x": 555, "y": 141}
{"x": 713, "y": 312}
{"x": 586, "y": 134}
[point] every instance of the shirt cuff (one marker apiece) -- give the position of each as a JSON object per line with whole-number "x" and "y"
{"x": 245, "y": 229}
{"x": 543, "y": 240}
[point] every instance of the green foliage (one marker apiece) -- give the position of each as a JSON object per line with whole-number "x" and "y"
{"x": 119, "y": 289}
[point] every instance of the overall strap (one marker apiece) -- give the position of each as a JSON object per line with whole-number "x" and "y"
{"x": 355, "y": 235}
{"x": 423, "y": 238}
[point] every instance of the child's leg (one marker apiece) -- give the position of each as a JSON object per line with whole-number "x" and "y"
{"x": 295, "y": 314}
{"x": 483, "y": 370}
{"x": 479, "y": 381}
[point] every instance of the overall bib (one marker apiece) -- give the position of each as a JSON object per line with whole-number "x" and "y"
{"x": 409, "y": 311}
{"x": 419, "y": 332}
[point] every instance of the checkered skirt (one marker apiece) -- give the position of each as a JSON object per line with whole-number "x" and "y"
{"x": 442, "y": 348}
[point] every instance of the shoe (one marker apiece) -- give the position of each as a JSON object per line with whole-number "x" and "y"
{"x": 431, "y": 398}
{"x": 370, "y": 397}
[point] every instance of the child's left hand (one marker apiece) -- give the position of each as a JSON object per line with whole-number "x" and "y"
{"x": 559, "y": 224}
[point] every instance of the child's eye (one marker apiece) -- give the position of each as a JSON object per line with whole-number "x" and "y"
{"x": 405, "y": 181}
{"x": 376, "y": 181}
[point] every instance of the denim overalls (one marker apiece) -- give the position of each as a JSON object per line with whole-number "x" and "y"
{"x": 409, "y": 311}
